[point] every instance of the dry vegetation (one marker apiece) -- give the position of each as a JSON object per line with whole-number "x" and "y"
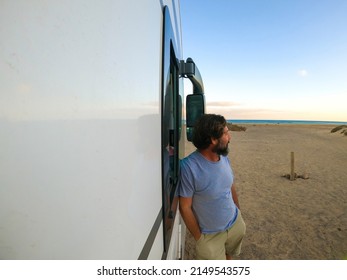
{"x": 234, "y": 127}
{"x": 343, "y": 129}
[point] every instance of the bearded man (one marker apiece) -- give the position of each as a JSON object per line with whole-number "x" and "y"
{"x": 208, "y": 200}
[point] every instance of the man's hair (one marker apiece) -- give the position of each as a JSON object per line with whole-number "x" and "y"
{"x": 207, "y": 127}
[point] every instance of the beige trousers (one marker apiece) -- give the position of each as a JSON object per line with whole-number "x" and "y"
{"x": 216, "y": 246}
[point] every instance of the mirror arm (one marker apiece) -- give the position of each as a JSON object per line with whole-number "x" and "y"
{"x": 189, "y": 70}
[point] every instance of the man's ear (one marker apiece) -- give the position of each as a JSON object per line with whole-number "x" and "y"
{"x": 214, "y": 141}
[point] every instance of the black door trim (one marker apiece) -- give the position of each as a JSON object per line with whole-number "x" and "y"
{"x": 151, "y": 237}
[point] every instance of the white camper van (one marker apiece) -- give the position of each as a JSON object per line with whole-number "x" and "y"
{"x": 93, "y": 120}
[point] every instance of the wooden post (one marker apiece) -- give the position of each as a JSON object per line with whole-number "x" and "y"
{"x": 292, "y": 173}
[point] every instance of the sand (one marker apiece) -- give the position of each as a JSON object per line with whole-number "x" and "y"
{"x": 290, "y": 220}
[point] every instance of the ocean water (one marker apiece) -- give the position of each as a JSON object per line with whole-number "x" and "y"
{"x": 285, "y": 122}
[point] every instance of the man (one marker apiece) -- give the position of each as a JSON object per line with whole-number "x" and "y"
{"x": 208, "y": 200}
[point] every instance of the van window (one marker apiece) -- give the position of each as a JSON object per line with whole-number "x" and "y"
{"x": 171, "y": 129}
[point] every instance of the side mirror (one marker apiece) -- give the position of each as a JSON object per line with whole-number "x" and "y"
{"x": 195, "y": 108}
{"x": 195, "y": 103}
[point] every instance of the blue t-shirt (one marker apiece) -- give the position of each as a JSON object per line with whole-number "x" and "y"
{"x": 209, "y": 184}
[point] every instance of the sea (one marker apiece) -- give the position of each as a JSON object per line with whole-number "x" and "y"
{"x": 286, "y": 122}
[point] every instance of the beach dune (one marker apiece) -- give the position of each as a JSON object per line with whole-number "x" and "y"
{"x": 289, "y": 220}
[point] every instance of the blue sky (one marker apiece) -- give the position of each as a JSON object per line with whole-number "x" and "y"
{"x": 268, "y": 59}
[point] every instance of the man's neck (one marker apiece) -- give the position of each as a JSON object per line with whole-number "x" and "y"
{"x": 209, "y": 155}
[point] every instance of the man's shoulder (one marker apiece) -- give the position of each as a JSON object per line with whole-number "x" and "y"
{"x": 190, "y": 160}
{"x": 191, "y": 157}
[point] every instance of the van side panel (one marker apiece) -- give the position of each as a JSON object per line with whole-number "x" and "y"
{"x": 80, "y": 126}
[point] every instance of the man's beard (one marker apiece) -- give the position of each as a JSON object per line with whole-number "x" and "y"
{"x": 220, "y": 150}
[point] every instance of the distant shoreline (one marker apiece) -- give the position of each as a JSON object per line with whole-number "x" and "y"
{"x": 286, "y": 122}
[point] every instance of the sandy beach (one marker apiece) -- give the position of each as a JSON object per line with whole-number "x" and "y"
{"x": 304, "y": 219}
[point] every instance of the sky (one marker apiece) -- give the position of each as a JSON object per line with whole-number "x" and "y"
{"x": 269, "y": 59}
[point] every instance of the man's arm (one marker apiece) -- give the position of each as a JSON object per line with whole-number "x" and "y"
{"x": 235, "y": 197}
{"x": 189, "y": 217}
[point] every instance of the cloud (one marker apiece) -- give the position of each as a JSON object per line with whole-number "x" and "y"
{"x": 303, "y": 73}
{"x": 247, "y": 113}
{"x": 222, "y": 104}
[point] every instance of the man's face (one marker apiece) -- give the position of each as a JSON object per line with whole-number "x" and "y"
{"x": 221, "y": 147}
